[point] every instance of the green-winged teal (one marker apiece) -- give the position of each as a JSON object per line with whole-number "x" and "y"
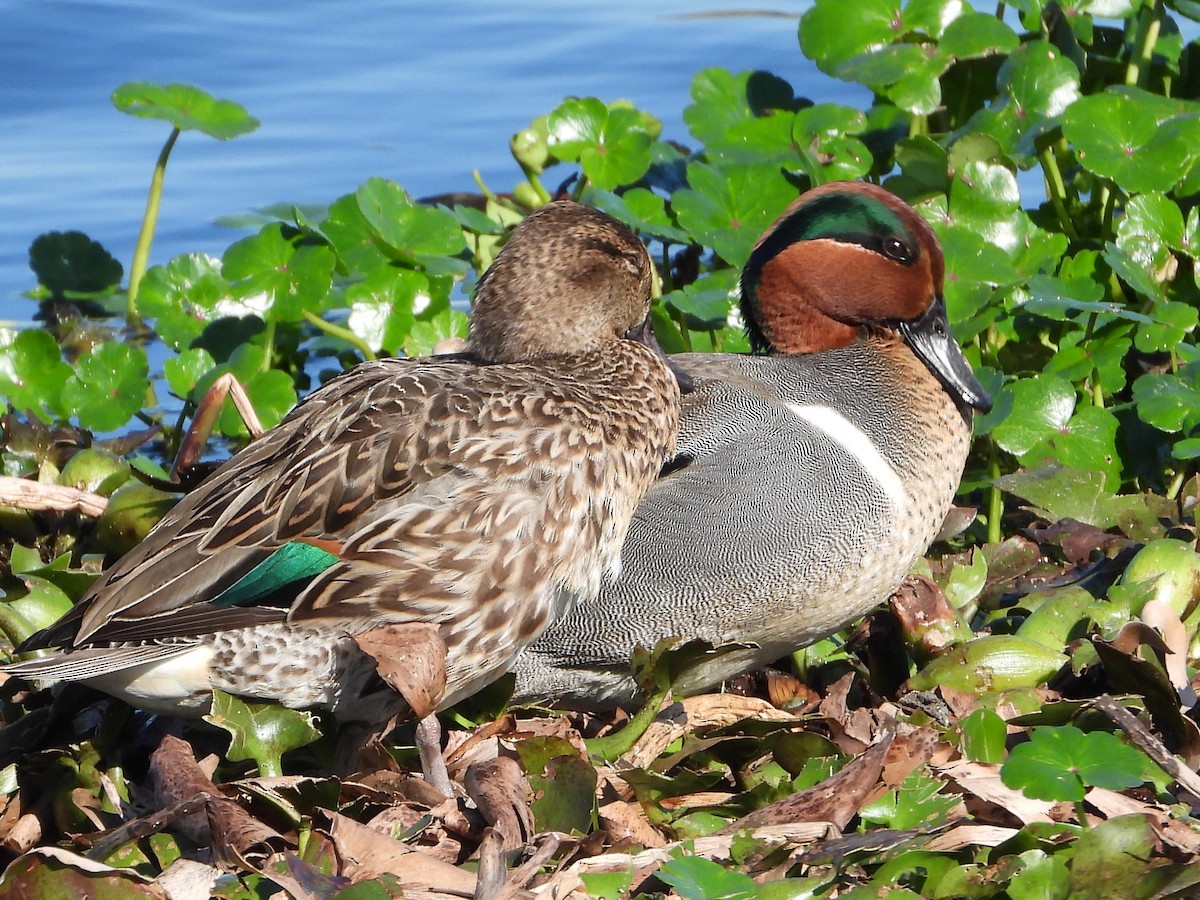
{"x": 810, "y": 477}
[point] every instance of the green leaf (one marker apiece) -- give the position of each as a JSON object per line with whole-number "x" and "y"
{"x": 611, "y": 143}
{"x": 107, "y": 387}
{"x": 183, "y": 372}
{"x": 1040, "y": 877}
{"x": 383, "y": 307}
{"x": 706, "y": 303}
{"x": 641, "y": 209}
{"x": 425, "y": 334}
{"x": 607, "y": 885}
{"x": 1119, "y": 136}
{"x": 51, "y": 873}
{"x": 187, "y": 108}
{"x": 32, "y": 371}
{"x": 1063, "y": 493}
{"x": 356, "y": 242}
{"x": 413, "y": 232}
{"x": 1088, "y": 441}
{"x": 183, "y": 296}
{"x": 564, "y": 784}
{"x": 260, "y": 731}
{"x": 1060, "y": 763}
{"x": 696, "y": 878}
{"x": 977, "y": 34}
{"x": 984, "y": 197}
{"x": 277, "y": 279}
{"x": 833, "y": 31}
{"x": 1169, "y": 402}
{"x": 70, "y": 261}
{"x": 721, "y": 99}
{"x": 1151, "y": 216}
{"x": 1173, "y": 321}
{"x": 916, "y": 803}
{"x": 272, "y": 393}
{"x": 1117, "y": 858}
{"x": 983, "y": 736}
{"x": 1039, "y": 406}
{"x": 727, "y": 208}
{"x": 825, "y": 132}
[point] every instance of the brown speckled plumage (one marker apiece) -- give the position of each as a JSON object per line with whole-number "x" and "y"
{"x": 485, "y": 492}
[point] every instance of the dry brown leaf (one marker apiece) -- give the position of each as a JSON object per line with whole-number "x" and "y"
{"x": 834, "y": 707}
{"x": 25, "y": 834}
{"x": 189, "y": 879}
{"x": 909, "y": 751}
{"x": 492, "y": 872}
{"x": 502, "y": 794}
{"x": 625, "y": 821}
{"x": 704, "y": 711}
{"x": 983, "y": 781}
{"x": 789, "y": 692}
{"x": 961, "y": 703}
{"x": 234, "y": 835}
{"x": 391, "y": 787}
{"x": 465, "y": 748}
{"x": 925, "y": 615}
{"x": 837, "y": 799}
{"x": 411, "y": 659}
{"x": 1161, "y": 615}
{"x": 366, "y": 853}
{"x": 697, "y": 800}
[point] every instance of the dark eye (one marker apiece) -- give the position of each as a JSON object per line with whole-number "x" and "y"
{"x": 894, "y": 248}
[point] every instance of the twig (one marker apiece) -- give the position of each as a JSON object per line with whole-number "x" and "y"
{"x": 26, "y": 494}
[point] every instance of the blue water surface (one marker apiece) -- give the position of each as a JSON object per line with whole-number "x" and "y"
{"x": 421, "y": 93}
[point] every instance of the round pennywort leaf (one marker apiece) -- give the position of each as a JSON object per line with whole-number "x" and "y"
{"x": 187, "y": 108}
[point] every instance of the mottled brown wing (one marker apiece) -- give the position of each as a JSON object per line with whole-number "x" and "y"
{"x": 351, "y": 456}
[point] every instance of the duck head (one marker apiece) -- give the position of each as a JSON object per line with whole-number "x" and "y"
{"x": 846, "y": 260}
{"x": 587, "y": 274}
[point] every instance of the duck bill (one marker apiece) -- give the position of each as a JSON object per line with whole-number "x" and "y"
{"x": 930, "y": 338}
{"x": 644, "y": 334}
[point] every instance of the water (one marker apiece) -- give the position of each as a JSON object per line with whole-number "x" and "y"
{"x": 419, "y": 93}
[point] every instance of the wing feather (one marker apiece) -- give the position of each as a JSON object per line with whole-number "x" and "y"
{"x": 374, "y": 449}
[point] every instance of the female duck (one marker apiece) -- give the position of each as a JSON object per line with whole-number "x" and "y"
{"x": 807, "y": 480}
{"x": 480, "y": 493}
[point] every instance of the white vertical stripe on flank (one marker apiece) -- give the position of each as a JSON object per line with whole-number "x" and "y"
{"x": 857, "y": 444}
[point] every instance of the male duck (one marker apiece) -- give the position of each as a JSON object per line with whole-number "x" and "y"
{"x": 483, "y": 493}
{"x": 808, "y": 480}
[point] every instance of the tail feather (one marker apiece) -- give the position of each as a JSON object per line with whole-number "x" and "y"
{"x": 92, "y": 662}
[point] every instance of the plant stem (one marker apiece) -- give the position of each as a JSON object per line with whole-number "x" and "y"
{"x": 1056, "y": 189}
{"x": 1109, "y": 196}
{"x": 995, "y": 497}
{"x": 268, "y": 346}
{"x": 492, "y": 196}
{"x": 141, "y": 252}
{"x": 1081, "y": 814}
{"x": 681, "y": 321}
{"x": 1176, "y": 484}
{"x": 1149, "y": 24}
{"x": 341, "y": 333}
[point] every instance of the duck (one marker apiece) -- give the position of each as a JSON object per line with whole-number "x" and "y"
{"x": 809, "y": 474}
{"x": 479, "y": 494}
